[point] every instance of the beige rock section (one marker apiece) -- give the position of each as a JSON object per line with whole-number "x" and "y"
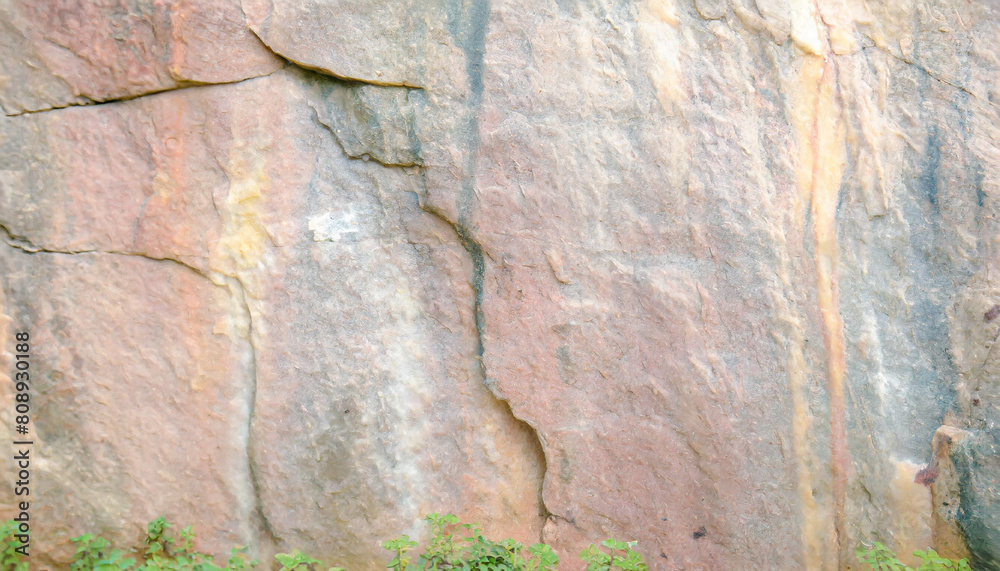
{"x": 324, "y": 34}
{"x": 707, "y": 275}
{"x": 57, "y": 53}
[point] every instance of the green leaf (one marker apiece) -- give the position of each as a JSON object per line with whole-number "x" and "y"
{"x": 614, "y": 544}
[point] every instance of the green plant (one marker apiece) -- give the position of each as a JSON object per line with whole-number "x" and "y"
{"x": 240, "y": 560}
{"x": 454, "y": 545}
{"x": 10, "y": 558}
{"x": 400, "y": 546}
{"x": 298, "y": 561}
{"x": 881, "y": 558}
{"x": 97, "y": 553}
{"x": 599, "y": 560}
{"x": 164, "y": 552}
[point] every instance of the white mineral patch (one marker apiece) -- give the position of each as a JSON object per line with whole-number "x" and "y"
{"x": 334, "y": 227}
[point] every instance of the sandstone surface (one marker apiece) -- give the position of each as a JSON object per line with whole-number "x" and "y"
{"x": 714, "y": 276}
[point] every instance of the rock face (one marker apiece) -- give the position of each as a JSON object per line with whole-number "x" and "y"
{"x": 63, "y": 52}
{"x": 716, "y": 277}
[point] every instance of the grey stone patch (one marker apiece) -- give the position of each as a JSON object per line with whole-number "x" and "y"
{"x": 977, "y": 462}
{"x": 373, "y": 122}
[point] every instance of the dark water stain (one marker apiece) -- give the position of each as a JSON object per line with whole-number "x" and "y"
{"x": 929, "y": 176}
{"x": 467, "y": 23}
{"x": 980, "y": 195}
{"x": 976, "y": 461}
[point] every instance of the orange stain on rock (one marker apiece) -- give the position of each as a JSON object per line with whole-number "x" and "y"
{"x": 820, "y": 168}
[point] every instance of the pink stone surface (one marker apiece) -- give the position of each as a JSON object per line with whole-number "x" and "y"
{"x": 65, "y": 52}
{"x": 709, "y": 276}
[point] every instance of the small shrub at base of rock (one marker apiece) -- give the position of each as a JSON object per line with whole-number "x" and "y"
{"x": 10, "y": 558}
{"x": 452, "y": 545}
{"x": 455, "y": 545}
{"x": 599, "y": 560}
{"x": 881, "y": 558}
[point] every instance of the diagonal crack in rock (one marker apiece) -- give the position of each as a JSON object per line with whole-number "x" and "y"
{"x": 98, "y": 102}
{"x": 194, "y": 85}
{"x": 238, "y": 291}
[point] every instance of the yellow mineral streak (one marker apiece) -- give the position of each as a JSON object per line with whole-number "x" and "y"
{"x": 816, "y": 528}
{"x": 242, "y": 252}
{"x": 660, "y": 36}
{"x": 828, "y": 169}
{"x": 820, "y": 138}
{"x": 242, "y": 248}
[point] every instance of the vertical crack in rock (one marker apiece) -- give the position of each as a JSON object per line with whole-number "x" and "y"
{"x": 237, "y": 257}
{"x": 469, "y": 30}
{"x": 240, "y": 296}
{"x": 471, "y": 38}
{"x": 475, "y": 252}
{"x": 476, "y": 255}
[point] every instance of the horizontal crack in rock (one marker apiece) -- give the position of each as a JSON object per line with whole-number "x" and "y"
{"x": 98, "y": 102}
{"x": 22, "y": 243}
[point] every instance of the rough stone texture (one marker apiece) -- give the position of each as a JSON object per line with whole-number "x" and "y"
{"x": 575, "y": 269}
{"x": 353, "y": 304}
{"x": 134, "y": 418}
{"x": 946, "y": 490}
{"x": 324, "y": 34}
{"x": 57, "y": 53}
{"x": 978, "y": 463}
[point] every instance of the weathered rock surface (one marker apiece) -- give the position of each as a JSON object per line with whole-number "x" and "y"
{"x": 360, "y": 387}
{"x": 63, "y": 52}
{"x": 134, "y": 418}
{"x": 706, "y": 275}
